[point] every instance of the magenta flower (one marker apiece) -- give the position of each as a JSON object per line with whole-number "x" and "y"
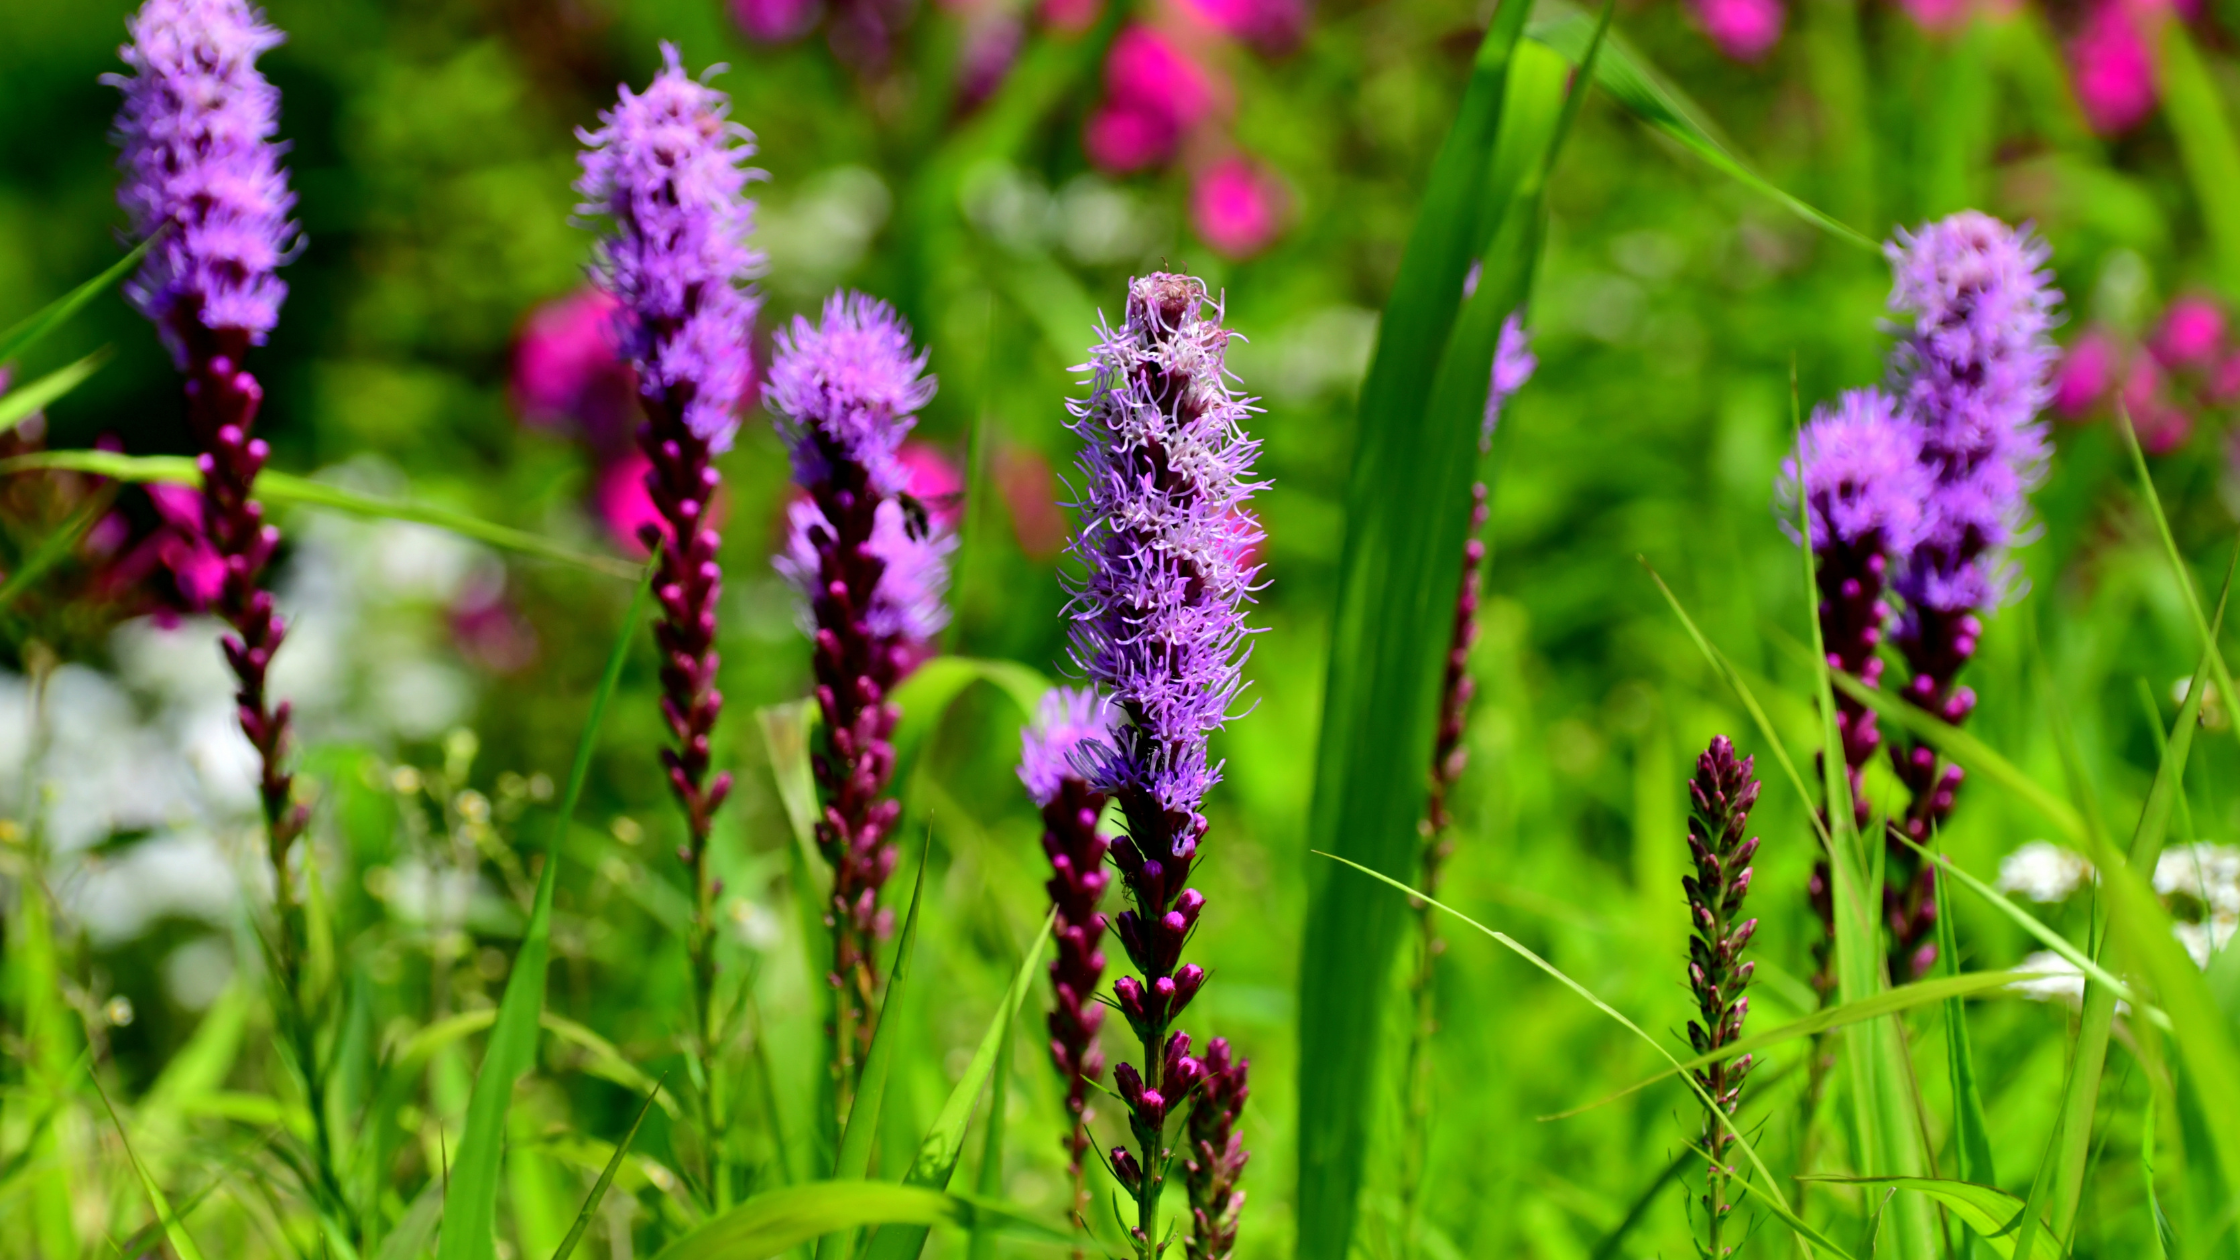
{"x": 568, "y": 370}
{"x": 667, "y": 171}
{"x": 1158, "y": 625}
{"x": 200, "y": 165}
{"x": 1938, "y": 16}
{"x": 1237, "y": 206}
{"x": 1154, "y": 94}
{"x": 2112, "y": 68}
{"x": 1744, "y": 30}
{"x": 1720, "y": 796}
{"x": 1272, "y": 26}
{"x": 1215, "y": 1159}
{"x": 2192, "y": 332}
{"x": 2088, "y": 370}
{"x": 775, "y": 21}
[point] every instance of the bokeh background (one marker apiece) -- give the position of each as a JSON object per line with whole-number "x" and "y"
{"x": 998, "y": 170}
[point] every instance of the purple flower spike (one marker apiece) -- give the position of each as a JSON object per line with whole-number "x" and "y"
{"x": 871, "y": 566}
{"x": 666, "y": 170}
{"x": 1067, "y": 723}
{"x": 1158, "y": 624}
{"x": 669, "y": 171}
{"x": 198, "y": 157}
{"x": 1513, "y": 364}
{"x": 1974, "y": 370}
{"x": 1217, "y": 1157}
{"x": 1719, "y": 800}
{"x": 201, "y": 166}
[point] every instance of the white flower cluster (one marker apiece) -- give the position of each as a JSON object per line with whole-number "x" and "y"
{"x": 2199, "y": 882}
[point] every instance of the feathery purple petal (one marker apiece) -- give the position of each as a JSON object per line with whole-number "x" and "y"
{"x": 1513, "y": 364}
{"x": 1071, "y": 722}
{"x": 849, "y": 387}
{"x": 1863, "y": 479}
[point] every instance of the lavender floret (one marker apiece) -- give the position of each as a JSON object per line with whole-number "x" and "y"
{"x": 1513, "y": 365}
{"x": 847, "y": 389}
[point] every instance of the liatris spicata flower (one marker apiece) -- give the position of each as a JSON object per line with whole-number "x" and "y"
{"x": 667, "y": 170}
{"x": 1216, "y": 1158}
{"x": 1719, "y": 800}
{"x": 1513, "y": 365}
{"x": 1070, "y": 727}
{"x": 872, "y": 568}
{"x": 1158, "y": 624}
{"x": 201, "y": 167}
{"x": 1975, "y": 370}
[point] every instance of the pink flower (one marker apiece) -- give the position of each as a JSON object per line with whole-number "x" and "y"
{"x": 2086, "y": 372}
{"x": 932, "y": 480}
{"x": 1272, "y": 26}
{"x": 774, "y": 21}
{"x": 2192, "y": 329}
{"x": 1236, "y": 206}
{"x": 1743, "y": 29}
{"x": 568, "y": 373}
{"x": 2224, "y": 382}
{"x": 624, "y": 503}
{"x": 2112, "y": 68}
{"x": 2161, "y": 425}
{"x": 1154, "y": 93}
{"x": 1937, "y": 15}
{"x": 1071, "y": 16}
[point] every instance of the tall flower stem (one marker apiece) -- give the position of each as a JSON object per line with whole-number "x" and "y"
{"x": 1719, "y": 799}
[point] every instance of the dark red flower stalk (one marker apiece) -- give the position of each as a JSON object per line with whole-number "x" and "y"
{"x": 1216, "y": 1157}
{"x": 1719, "y": 800}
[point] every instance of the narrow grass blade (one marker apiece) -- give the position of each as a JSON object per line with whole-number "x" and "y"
{"x": 772, "y": 1222}
{"x": 1635, "y": 84}
{"x": 786, "y": 732}
{"x": 1971, "y": 1133}
{"x": 174, "y": 1230}
{"x": 606, "y": 1178}
{"x": 862, "y": 1131}
{"x": 29, "y": 331}
{"x": 470, "y": 1200}
{"x": 1990, "y": 1214}
{"x": 18, "y": 405}
{"x": 943, "y": 1144}
{"x": 2030, "y": 923}
{"x": 2194, "y": 107}
{"x": 51, "y": 551}
{"x": 989, "y": 1184}
{"x": 1387, "y": 638}
{"x": 1887, "y": 1002}
{"x": 2178, "y": 567}
{"x": 1778, "y": 1205}
{"x": 279, "y": 487}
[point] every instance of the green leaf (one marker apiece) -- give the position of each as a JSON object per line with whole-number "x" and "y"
{"x": 1649, "y": 96}
{"x": 174, "y": 1230}
{"x": 606, "y": 1178}
{"x": 28, "y": 332}
{"x": 943, "y": 1144}
{"x": 989, "y": 1185}
{"x": 2195, "y": 110}
{"x": 1388, "y": 635}
{"x": 19, "y": 405}
{"x": 770, "y": 1223}
{"x": 862, "y": 1131}
{"x": 1991, "y": 1214}
{"x": 1971, "y": 1134}
{"x": 279, "y": 487}
{"x": 926, "y": 695}
{"x": 2178, "y": 567}
{"x": 470, "y": 1201}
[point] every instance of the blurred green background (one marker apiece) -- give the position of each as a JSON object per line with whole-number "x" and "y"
{"x": 433, "y": 150}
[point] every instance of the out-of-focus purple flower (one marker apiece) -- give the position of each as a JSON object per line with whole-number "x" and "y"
{"x": 1237, "y": 206}
{"x": 991, "y": 47}
{"x": 1216, "y": 1157}
{"x": 2088, "y": 370}
{"x": 2112, "y": 68}
{"x": 668, "y": 169}
{"x": 1272, "y": 26}
{"x": 2191, "y": 333}
{"x": 568, "y": 370}
{"x": 871, "y": 564}
{"x": 1862, "y": 479}
{"x": 1720, "y": 796}
{"x": 775, "y": 21}
{"x": 1154, "y": 94}
{"x": 1158, "y": 625}
{"x": 1513, "y": 365}
{"x": 1071, "y": 16}
{"x": 2223, "y": 385}
{"x": 196, "y": 133}
{"x": 1745, "y": 30}
{"x": 1066, "y": 723}
{"x": 847, "y": 389}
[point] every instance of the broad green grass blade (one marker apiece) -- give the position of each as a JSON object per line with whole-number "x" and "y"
{"x": 1635, "y": 84}
{"x": 1778, "y": 1205}
{"x": 470, "y": 1200}
{"x": 772, "y": 1222}
{"x": 786, "y": 731}
{"x": 1387, "y": 639}
{"x": 604, "y": 1060}
{"x": 174, "y": 1229}
{"x": 862, "y": 1132}
{"x": 1887, "y": 1002}
{"x": 926, "y": 695}
{"x": 989, "y": 1184}
{"x": 279, "y": 487}
{"x": 1990, "y": 1214}
{"x": 19, "y": 405}
{"x": 2156, "y": 1223}
{"x": 606, "y": 1179}
{"x": 29, "y": 331}
{"x": 943, "y": 1144}
{"x": 1971, "y": 1133}
{"x": 2091, "y": 1050}
{"x": 2178, "y": 567}
{"x": 2195, "y": 109}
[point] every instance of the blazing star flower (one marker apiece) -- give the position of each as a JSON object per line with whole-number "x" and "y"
{"x": 1719, "y": 799}
{"x": 1216, "y": 1157}
{"x": 668, "y": 169}
{"x": 1067, "y": 723}
{"x": 1513, "y": 365}
{"x": 196, "y": 133}
{"x": 1158, "y": 625}
{"x": 201, "y": 167}
{"x": 871, "y": 564}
